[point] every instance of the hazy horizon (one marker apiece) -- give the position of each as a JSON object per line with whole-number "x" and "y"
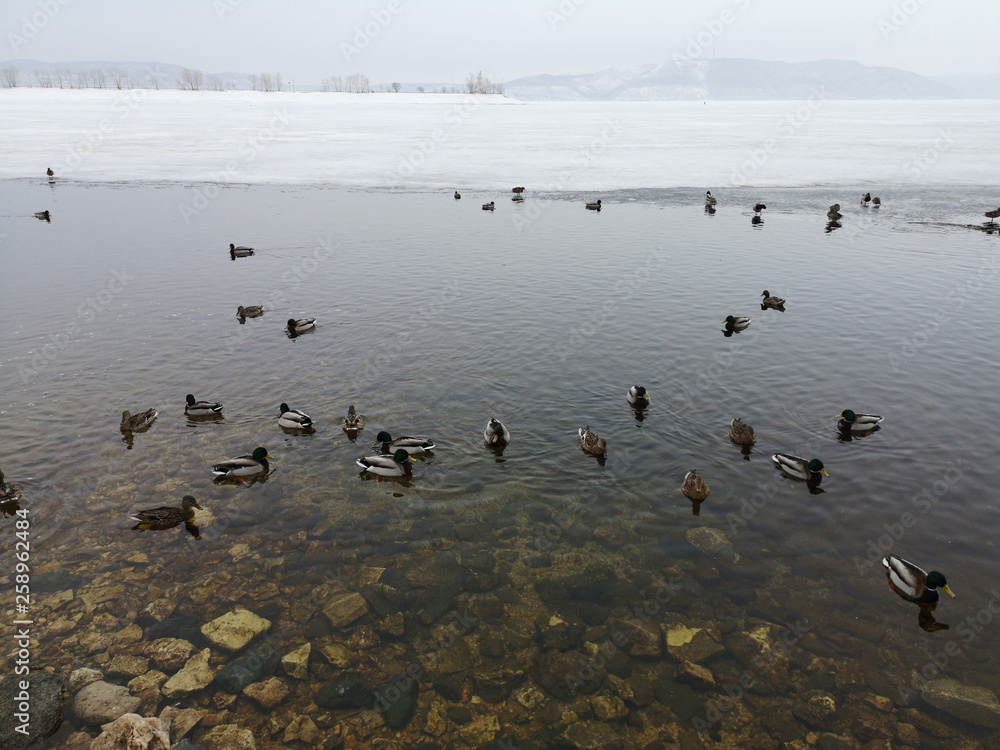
{"x": 390, "y": 40}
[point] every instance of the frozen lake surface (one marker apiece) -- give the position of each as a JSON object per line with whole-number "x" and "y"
{"x": 440, "y": 141}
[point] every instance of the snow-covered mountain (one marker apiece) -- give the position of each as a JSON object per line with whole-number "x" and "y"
{"x": 734, "y": 79}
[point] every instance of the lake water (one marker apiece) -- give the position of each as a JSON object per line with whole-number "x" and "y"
{"x": 432, "y": 317}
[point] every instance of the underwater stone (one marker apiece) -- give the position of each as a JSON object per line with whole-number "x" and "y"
{"x": 695, "y": 674}
{"x": 80, "y": 678}
{"x": 228, "y": 737}
{"x": 45, "y": 582}
{"x": 101, "y": 703}
{"x": 301, "y": 729}
{"x": 195, "y": 675}
{"x": 133, "y": 732}
{"x": 248, "y": 669}
{"x": 345, "y": 693}
{"x": 691, "y": 644}
{"x": 235, "y": 629}
{"x": 480, "y": 731}
{"x": 296, "y": 663}
{"x": 169, "y": 654}
{"x": 45, "y": 712}
{"x": 449, "y": 688}
{"x": 608, "y": 707}
{"x": 267, "y": 693}
{"x": 344, "y": 608}
{"x": 971, "y": 703}
{"x": 396, "y": 701}
{"x": 591, "y": 735}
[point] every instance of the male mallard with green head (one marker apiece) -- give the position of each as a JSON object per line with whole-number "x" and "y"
{"x": 496, "y": 435}
{"x": 293, "y": 419}
{"x": 849, "y": 421}
{"x": 912, "y": 582}
{"x": 201, "y": 408}
{"x": 298, "y": 326}
{"x": 239, "y": 252}
{"x": 799, "y": 468}
{"x": 397, "y": 465}
{"x": 638, "y": 397}
{"x": 407, "y": 442}
{"x": 244, "y": 466}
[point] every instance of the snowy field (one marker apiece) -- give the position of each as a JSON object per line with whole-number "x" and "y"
{"x": 444, "y": 141}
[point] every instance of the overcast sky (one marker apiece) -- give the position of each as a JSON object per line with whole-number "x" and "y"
{"x": 444, "y": 40}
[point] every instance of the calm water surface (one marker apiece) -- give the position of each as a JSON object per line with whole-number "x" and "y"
{"x": 434, "y": 316}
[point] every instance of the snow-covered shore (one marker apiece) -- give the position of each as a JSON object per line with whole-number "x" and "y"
{"x": 444, "y": 141}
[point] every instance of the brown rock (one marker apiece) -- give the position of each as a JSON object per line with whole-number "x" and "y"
{"x": 169, "y": 654}
{"x": 123, "y": 665}
{"x": 152, "y": 679}
{"x": 132, "y": 732}
{"x": 301, "y": 729}
{"x": 179, "y": 721}
{"x": 345, "y": 607}
{"x": 228, "y": 737}
{"x": 267, "y": 693}
{"x": 692, "y": 644}
{"x": 695, "y": 674}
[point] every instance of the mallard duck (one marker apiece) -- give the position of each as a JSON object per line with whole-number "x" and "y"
{"x": 251, "y": 311}
{"x": 352, "y": 420}
{"x": 912, "y": 582}
{"x": 709, "y": 200}
{"x": 866, "y": 199}
{"x": 201, "y": 408}
{"x": 43, "y": 215}
{"x": 834, "y": 215}
{"x": 135, "y": 422}
{"x": 49, "y": 172}
{"x": 741, "y": 433}
{"x": 592, "y": 443}
{"x": 167, "y": 516}
{"x": 991, "y": 215}
{"x": 736, "y": 322}
{"x": 244, "y": 466}
{"x": 811, "y": 471}
{"x": 517, "y": 190}
{"x": 694, "y": 486}
{"x": 293, "y": 419}
{"x": 758, "y": 207}
{"x": 774, "y": 303}
{"x": 489, "y": 206}
{"x": 876, "y": 202}
{"x": 240, "y": 252}
{"x": 496, "y": 434}
{"x": 638, "y": 397}
{"x": 397, "y": 465}
{"x": 406, "y": 442}
{"x": 458, "y": 196}
{"x": 300, "y": 325}
{"x": 857, "y": 422}
{"x": 8, "y": 492}
{"x": 595, "y": 206}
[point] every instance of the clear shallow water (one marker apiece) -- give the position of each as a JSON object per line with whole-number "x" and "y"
{"x": 434, "y": 316}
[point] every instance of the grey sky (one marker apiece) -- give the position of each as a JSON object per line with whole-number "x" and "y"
{"x": 444, "y": 40}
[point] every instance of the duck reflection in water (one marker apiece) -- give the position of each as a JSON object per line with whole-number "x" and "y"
{"x": 831, "y": 225}
{"x": 757, "y": 222}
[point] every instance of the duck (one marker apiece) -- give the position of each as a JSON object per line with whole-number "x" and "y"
{"x": 912, "y": 582}
{"x": 244, "y": 466}
{"x": 496, "y": 434}
{"x": 592, "y": 443}
{"x": 397, "y": 465}
{"x": 774, "y": 303}
{"x": 694, "y": 486}
{"x": 709, "y": 199}
{"x": 239, "y": 252}
{"x": 201, "y": 408}
{"x": 736, "y": 322}
{"x": 407, "y": 442}
{"x": 352, "y": 420}
{"x": 857, "y": 422}
{"x": 43, "y": 215}
{"x": 300, "y": 325}
{"x": 134, "y": 422}
{"x": 293, "y": 419}
{"x": 458, "y": 195}
{"x": 638, "y": 397}
{"x": 800, "y": 468}
{"x": 49, "y": 172}
{"x": 876, "y": 202}
{"x": 250, "y": 311}
{"x": 834, "y": 213}
{"x": 517, "y": 190}
{"x": 866, "y": 199}
{"x": 8, "y": 492}
{"x": 595, "y": 206}
{"x": 167, "y": 516}
{"x": 741, "y": 433}
{"x": 489, "y": 206}
{"x": 991, "y": 215}
{"x": 758, "y": 207}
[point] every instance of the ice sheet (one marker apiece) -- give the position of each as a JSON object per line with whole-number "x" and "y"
{"x": 446, "y": 141}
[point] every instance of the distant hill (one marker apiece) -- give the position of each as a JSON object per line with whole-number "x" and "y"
{"x": 737, "y": 79}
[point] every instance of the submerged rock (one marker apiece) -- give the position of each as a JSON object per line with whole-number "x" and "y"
{"x": 267, "y": 693}
{"x": 101, "y": 703}
{"x": 169, "y": 654}
{"x": 591, "y": 735}
{"x": 296, "y": 663}
{"x": 344, "y": 694}
{"x": 248, "y": 669}
{"x": 971, "y": 703}
{"x": 235, "y": 629}
{"x": 132, "y": 732}
{"x": 396, "y": 702}
{"x": 228, "y": 737}
{"x": 195, "y": 675}
{"x": 45, "y": 714}
{"x": 343, "y": 608}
